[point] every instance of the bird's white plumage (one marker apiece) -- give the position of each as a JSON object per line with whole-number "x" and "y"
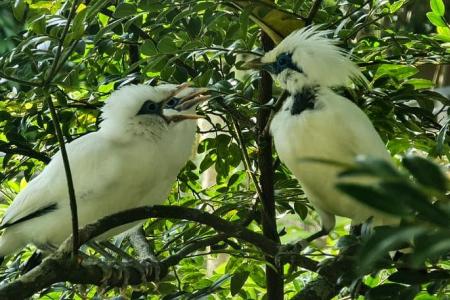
{"x": 131, "y": 161}
{"x": 335, "y": 129}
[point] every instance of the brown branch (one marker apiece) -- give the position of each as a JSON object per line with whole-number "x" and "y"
{"x": 61, "y": 267}
{"x": 274, "y": 276}
{"x": 312, "y": 13}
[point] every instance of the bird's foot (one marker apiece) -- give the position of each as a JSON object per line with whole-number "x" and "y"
{"x": 107, "y": 271}
{"x": 151, "y": 267}
{"x": 148, "y": 269}
{"x": 287, "y": 253}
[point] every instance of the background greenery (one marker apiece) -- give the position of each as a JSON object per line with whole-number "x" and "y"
{"x": 402, "y": 47}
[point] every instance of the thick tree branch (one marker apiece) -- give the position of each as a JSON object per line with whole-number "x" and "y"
{"x": 274, "y": 276}
{"x": 60, "y": 266}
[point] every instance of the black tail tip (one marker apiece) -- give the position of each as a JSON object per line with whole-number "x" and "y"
{"x": 32, "y": 262}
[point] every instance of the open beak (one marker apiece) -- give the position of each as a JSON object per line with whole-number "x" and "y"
{"x": 186, "y": 102}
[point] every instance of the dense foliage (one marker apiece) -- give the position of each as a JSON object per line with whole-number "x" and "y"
{"x": 79, "y": 58}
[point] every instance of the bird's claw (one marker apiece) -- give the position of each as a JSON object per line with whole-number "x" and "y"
{"x": 107, "y": 272}
{"x": 287, "y": 253}
{"x": 152, "y": 267}
{"x": 146, "y": 268}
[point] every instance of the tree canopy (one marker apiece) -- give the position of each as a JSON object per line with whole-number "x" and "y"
{"x": 234, "y": 203}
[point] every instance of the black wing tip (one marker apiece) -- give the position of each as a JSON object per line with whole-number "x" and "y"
{"x": 38, "y": 213}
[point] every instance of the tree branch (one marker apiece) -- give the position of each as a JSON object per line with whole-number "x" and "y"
{"x": 20, "y": 81}
{"x": 28, "y": 152}
{"x": 312, "y": 13}
{"x": 60, "y": 266}
{"x": 59, "y": 134}
{"x": 274, "y": 276}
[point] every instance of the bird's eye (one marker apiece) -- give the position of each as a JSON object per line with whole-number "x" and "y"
{"x": 149, "y": 107}
{"x": 283, "y": 61}
{"x": 172, "y": 102}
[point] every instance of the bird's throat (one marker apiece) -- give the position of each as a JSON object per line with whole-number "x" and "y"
{"x": 304, "y": 99}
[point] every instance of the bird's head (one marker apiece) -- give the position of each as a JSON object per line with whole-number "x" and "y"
{"x": 149, "y": 110}
{"x": 307, "y": 57}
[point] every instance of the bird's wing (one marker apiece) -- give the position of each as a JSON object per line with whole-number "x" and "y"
{"x": 36, "y": 199}
{"x": 48, "y": 191}
{"x": 357, "y": 133}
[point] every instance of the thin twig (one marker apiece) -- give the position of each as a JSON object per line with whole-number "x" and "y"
{"x": 65, "y": 158}
{"x": 59, "y": 133}
{"x": 246, "y": 158}
{"x": 28, "y": 152}
{"x": 20, "y": 81}
{"x": 312, "y": 13}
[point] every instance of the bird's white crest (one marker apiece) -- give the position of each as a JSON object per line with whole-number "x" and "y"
{"x": 321, "y": 61}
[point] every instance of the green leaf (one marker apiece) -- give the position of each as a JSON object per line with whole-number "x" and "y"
{"x": 440, "y": 139}
{"x": 383, "y": 240}
{"x": 438, "y": 7}
{"x": 396, "y": 6}
{"x": 397, "y": 71}
{"x": 149, "y": 48}
{"x": 78, "y": 24}
{"x": 411, "y": 276}
{"x": 436, "y": 20}
{"x": 167, "y": 45}
{"x": 19, "y": 9}
{"x": 301, "y": 210}
{"x": 94, "y": 7}
{"x": 101, "y": 33}
{"x": 125, "y": 10}
{"x": 386, "y": 291}
{"x": 375, "y": 198}
{"x": 426, "y": 172}
{"x": 430, "y": 247}
{"x": 237, "y": 282}
{"x": 404, "y": 194}
{"x": 371, "y": 166}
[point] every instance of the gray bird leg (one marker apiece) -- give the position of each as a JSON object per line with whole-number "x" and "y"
{"x": 148, "y": 260}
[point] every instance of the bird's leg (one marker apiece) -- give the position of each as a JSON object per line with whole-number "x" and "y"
{"x": 148, "y": 262}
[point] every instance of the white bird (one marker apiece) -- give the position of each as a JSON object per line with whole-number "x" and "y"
{"x": 145, "y": 138}
{"x": 315, "y": 123}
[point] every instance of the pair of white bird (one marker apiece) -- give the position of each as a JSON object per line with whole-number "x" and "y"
{"x": 148, "y": 132}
